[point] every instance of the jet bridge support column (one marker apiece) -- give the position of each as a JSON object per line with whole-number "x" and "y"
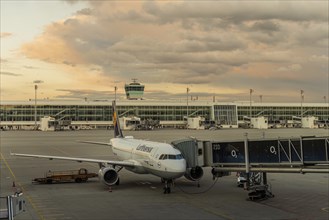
{"x": 246, "y": 151}
{"x": 264, "y": 178}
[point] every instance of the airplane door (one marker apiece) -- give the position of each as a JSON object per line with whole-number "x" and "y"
{"x": 153, "y": 154}
{"x": 154, "y": 157}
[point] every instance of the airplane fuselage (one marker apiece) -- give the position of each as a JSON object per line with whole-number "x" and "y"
{"x": 160, "y": 159}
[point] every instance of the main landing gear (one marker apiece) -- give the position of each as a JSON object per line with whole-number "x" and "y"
{"x": 166, "y": 188}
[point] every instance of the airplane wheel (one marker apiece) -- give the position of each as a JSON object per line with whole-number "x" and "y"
{"x": 167, "y": 190}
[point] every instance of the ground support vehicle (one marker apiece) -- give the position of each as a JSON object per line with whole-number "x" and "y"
{"x": 81, "y": 175}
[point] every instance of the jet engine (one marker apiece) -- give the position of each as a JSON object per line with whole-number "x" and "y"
{"x": 108, "y": 175}
{"x": 194, "y": 173}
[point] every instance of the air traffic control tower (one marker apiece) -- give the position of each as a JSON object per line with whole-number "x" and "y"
{"x": 134, "y": 90}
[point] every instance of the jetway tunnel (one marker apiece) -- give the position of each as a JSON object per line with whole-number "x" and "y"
{"x": 275, "y": 154}
{"x": 257, "y": 158}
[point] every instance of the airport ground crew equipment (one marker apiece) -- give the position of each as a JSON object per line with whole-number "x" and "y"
{"x": 13, "y": 205}
{"x": 81, "y": 175}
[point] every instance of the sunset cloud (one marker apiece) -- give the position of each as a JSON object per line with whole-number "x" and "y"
{"x": 219, "y": 44}
{"x": 5, "y": 34}
{"x": 9, "y": 74}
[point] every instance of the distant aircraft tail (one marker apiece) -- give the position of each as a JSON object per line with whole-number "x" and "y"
{"x": 116, "y": 123}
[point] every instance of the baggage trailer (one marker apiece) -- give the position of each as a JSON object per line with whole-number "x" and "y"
{"x": 79, "y": 176}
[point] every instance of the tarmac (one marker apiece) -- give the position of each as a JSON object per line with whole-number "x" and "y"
{"x": 297, "y": 196}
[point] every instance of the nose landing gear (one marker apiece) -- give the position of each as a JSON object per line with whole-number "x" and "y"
{"x": 166, "y": 188}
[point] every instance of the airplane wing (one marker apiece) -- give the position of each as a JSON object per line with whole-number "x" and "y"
{"x": 80, "y": 160}
{"x": 93, "y": 142}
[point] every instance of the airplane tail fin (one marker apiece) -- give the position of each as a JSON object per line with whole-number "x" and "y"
{"x": 116, "y": 123}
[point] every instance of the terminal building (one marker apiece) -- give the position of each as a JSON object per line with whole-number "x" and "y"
{"x": 98, "y": 114}
{"x": 169, "y": 114}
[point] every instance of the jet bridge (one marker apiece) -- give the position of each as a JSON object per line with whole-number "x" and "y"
{"x": 293, "y": 155}
{"x": 298, "y": 154}
{"x": 258, "y": 157}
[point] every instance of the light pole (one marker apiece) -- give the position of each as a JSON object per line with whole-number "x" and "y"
{"x": 115, "y": 90}
{"x": 115, "y": 93}
{"x": 35, "y": 106}
{"x": 301, "y": 102}
{"x": 251, "y": 91}
{"x": 187, "y": 91}
{"x": 261, "y": 98}
{"x": 35, "y": 101}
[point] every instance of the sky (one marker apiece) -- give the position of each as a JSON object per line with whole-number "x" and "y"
{"x": 83, "y": 49}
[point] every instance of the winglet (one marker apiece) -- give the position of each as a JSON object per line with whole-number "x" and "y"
{"x": 116, "y": 123}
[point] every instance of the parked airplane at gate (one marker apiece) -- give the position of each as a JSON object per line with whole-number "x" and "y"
{"x": 138, "y": 156}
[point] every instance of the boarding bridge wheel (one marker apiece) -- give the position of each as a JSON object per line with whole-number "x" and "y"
{"x": 259, "y": 193}
{"x": 259, "y": 187}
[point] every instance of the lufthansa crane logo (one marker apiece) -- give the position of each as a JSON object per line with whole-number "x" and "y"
{"x": 144, "y": 148}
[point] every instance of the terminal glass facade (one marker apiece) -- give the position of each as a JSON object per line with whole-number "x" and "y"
{"x": 164, "y": 113}
{"x": 226, "y": 114}
{"x": 281, "y": 113}
{"x": 91, "y": 112}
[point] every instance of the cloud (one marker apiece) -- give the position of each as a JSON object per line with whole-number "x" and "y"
{"x": 9, "y": 74}
{"x": 30, "y": 67}
{"x": 238, "y": 11}
{"x": 85, "y": 11}
{"x": 5, "y": 34}
{"x": 266, "y": 26}
{"x": 83, "y": 94}
{"x": 292, "y": 67}
{"x": 215, "y": 43}
{"x": 68, "y": 63}
{"x": 319, "y": 58}
{"x": 38, "y": 81}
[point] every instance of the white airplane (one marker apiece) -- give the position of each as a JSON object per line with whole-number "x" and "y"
{"x": 138, "y": 156}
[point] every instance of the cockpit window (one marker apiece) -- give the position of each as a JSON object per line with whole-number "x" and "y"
{"x": 170, "y": 157}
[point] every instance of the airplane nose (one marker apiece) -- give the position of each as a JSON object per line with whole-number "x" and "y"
{"x": 176, "y": 169}
{"x": 181, "y": 167}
